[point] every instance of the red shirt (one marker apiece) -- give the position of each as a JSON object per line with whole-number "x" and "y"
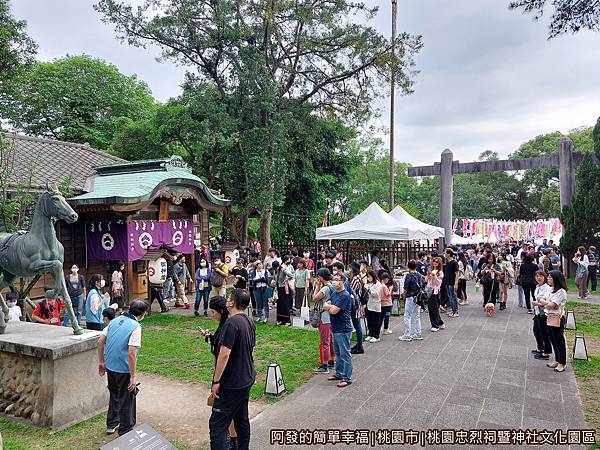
{"x": 52, "y": 311}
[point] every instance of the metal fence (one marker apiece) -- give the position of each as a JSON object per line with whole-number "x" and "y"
{"x": 396, "y": 253}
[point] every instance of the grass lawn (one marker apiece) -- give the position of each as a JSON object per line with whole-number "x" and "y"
{"x": 85, "y": 435}
{"x": 172, "y": 347}
{"x": 587, "y": 317}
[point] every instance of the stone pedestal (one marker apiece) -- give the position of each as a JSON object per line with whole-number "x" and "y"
{"x": 49, "y": 376}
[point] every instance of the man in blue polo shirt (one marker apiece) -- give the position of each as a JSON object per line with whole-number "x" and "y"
{"x": 339, "y": 307}
{"x": 117, "y": 355}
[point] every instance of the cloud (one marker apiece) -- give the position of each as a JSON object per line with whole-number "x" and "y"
{"x": 489, "y": 78}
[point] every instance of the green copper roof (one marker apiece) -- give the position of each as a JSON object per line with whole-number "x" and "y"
{"x": 137, "y": 182}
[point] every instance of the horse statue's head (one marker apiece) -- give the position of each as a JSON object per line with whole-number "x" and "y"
{"x": 57, "y": 207}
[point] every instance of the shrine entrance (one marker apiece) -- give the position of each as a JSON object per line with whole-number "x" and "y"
{"x": 566, "y": 160}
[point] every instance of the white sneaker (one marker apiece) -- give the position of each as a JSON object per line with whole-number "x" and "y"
{"x": 388, "y": 331}
{"x": 434, "y": 329}
{"x": 368, "y": 339}
{"x": 374, "y": 340}
{"x": 442, "y": 326}
{"x": 265, "y": 320}
{"x": 417, "y": 337}
{"x": 405, "y": 338}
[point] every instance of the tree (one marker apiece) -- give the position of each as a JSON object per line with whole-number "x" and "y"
{"x": 268, "y": 61}
{"x": 568, "y": 16}
{"x": 77, "y": 99}
{"x": 17, "y": 49}
{"x": 581, "y": 221}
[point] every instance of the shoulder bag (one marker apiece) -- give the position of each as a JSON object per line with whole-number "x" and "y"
{"x": 553, "y": 320}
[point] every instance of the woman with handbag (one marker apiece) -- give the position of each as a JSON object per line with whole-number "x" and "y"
{"x": 540, "y": 326}
{"x": 554, "y": 308}
{"x": 489, "y": 279}
{"x": 434, "y": 284}
{"x": 505, "y": 278}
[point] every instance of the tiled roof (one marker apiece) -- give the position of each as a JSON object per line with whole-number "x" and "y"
{"x": 139, "y": 181}
{"x": 52, "y": 162}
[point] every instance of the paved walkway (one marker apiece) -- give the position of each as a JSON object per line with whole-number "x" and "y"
{"x": 478, "y": 373}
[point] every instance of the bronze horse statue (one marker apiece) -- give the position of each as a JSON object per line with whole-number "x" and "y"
{"x": 38, "y": 251}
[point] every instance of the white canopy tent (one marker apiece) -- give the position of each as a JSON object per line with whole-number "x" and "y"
{"x": 371, "y": 224}
{"x": 417, "y": 230}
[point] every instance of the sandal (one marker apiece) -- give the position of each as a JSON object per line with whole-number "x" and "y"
{"x": 552, "y": 365}
{"x": 344, "y": 384}
{"x": 556, "y": 369}
{"x": 333, "y": 378}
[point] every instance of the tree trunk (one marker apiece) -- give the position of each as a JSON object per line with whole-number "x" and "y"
{"x": 244, "y": 228}
{"x": 264, "y": 231}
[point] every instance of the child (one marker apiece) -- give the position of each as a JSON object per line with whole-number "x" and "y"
{"x": 14, "y": 311}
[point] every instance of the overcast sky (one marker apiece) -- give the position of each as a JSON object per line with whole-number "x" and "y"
{"x": 489, "y": 79}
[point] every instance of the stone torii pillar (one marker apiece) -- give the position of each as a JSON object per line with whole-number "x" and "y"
{"x": 566, "y": 160}
{"x": 446, "y": 194}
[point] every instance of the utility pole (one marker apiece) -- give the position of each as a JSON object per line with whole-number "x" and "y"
{"x": 392, "y": 92}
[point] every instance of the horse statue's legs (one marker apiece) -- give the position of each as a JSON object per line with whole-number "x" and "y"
{"x": 56, "y": 269}
{"x": 3, "y": 314}
{"x": 3, "y": 305}
{"x": 61, "y": 287}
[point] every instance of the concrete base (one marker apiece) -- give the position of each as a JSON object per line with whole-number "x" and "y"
{"x": 49, "y": 376}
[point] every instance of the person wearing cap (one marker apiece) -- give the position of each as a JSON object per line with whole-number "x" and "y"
{"x": 322, "y": 294}
{"x": 241, "y": 274}
{"x": 76, "y": 288}
{"x": 47, "y": 311}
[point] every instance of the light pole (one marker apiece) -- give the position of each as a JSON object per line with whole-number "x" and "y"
{"x": 393, "y": 88}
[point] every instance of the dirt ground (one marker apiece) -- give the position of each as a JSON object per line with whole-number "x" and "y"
{"x": 178, "y": 409}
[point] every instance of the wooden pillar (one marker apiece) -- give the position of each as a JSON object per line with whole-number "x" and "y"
{"x": 566, "y": 171}
{"x": 446, "y": 188}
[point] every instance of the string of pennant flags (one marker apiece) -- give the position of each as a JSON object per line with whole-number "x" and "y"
{"x": 504, "y": 230}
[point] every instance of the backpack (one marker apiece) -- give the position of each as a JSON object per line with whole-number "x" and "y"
{"x": 354, "y": 299}
{"x": 216, "y": 279}
{"x": 420, "y": 297}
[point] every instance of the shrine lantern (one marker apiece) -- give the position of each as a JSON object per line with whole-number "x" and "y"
{"x": 157, "y": 271}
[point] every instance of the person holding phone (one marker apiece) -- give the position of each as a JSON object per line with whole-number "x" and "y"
{"x": 48, "y": 310}
{"x": 218, "y": 311}
{"x": 97, "y": 301}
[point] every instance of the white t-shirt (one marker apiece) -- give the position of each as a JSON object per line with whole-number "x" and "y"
{"x": 14, "y": 313}
{"x": 560, "y": 298}
{"x": 541, "y": 291}
{"x": 135, "y": 339}
{"x": 374, "y": 302}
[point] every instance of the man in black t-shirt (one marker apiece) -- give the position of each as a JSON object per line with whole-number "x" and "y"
{"x": 240, "y": 273}
{"x": 234, "y": 374}
{"x": 450, "y": 281}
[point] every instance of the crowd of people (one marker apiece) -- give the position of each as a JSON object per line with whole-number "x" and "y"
{"x": 357, "y": 297}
